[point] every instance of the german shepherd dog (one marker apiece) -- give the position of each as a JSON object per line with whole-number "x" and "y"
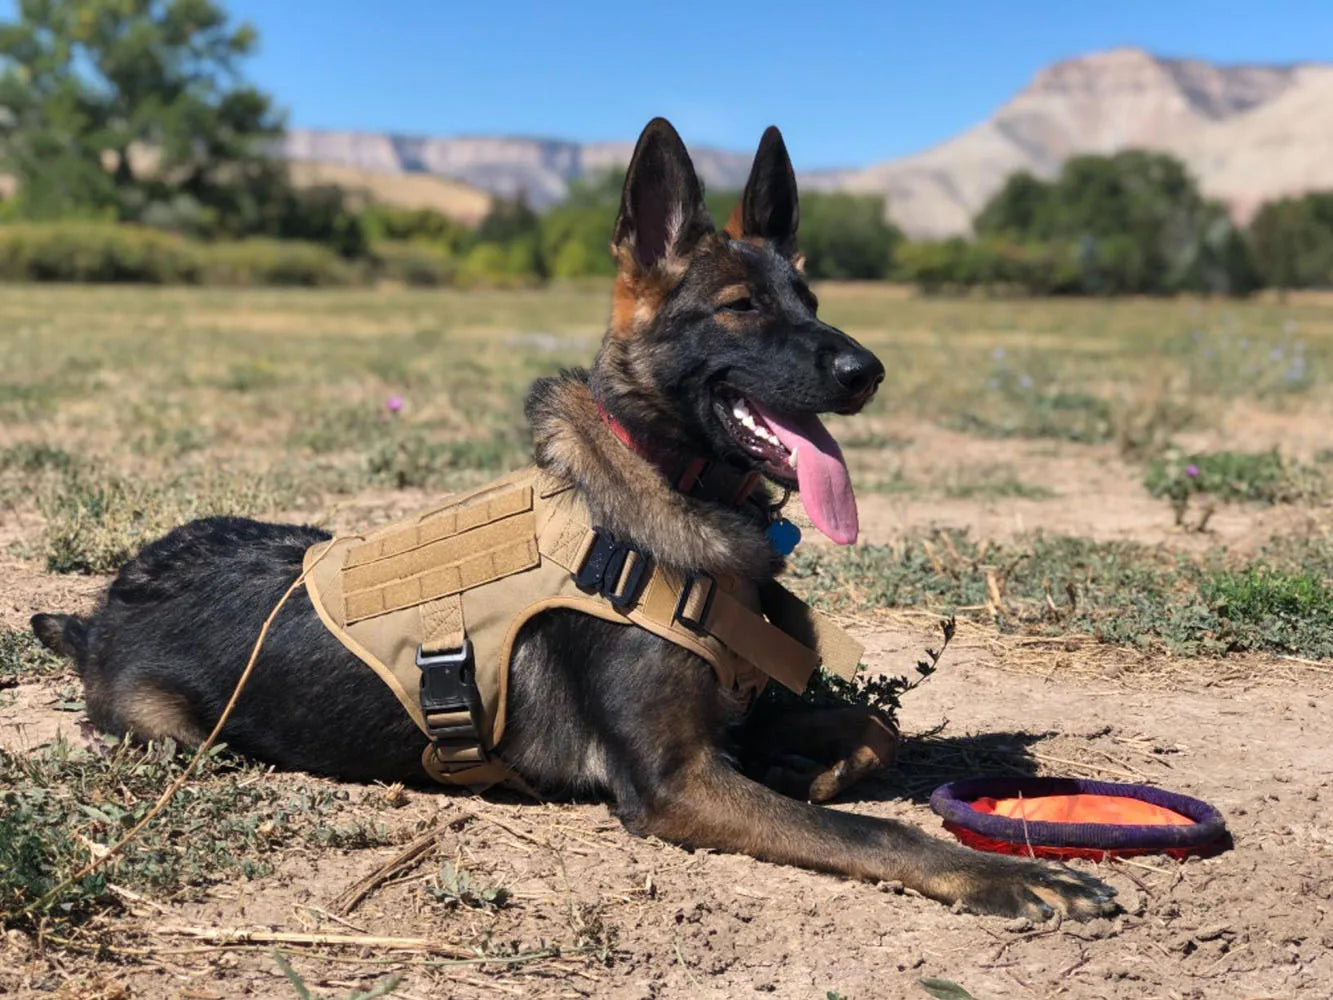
{"x": 713, "y": 351}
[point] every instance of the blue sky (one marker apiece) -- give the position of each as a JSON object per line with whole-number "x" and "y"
{"x": 848, "y": 83}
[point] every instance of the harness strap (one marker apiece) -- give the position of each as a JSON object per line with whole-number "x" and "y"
{"x": 840, "y": 654}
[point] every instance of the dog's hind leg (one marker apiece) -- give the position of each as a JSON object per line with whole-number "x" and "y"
{"x": 153, "y": 713}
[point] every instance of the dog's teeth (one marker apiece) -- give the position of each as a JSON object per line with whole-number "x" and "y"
{"x": 748, "y": 421}
{"x": 791, "y": 460}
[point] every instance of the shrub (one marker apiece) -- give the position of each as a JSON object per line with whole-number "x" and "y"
{"x": 94, "y": 251}
{"x": 499, "y": 265}
{"x": 415, "y": 263}
{"x": 273, "y": 262}
{"x": 1263, "y": 477}
{"x": 108, "y": 252}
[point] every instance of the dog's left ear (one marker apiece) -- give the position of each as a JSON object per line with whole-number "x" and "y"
{"x": 769, "y": 208}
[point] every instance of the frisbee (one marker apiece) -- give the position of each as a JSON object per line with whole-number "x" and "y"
{"x": 1074, "y": 818}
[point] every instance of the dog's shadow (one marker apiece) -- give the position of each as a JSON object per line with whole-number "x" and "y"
{"x": 924, "y": 763}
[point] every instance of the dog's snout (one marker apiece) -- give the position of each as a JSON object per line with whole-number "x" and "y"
{"x": 858, "y": 371}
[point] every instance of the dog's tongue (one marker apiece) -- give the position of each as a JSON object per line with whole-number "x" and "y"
{"x": 821, "y": 473}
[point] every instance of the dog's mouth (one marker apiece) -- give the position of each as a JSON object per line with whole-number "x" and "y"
{"x": 795, "y": 449}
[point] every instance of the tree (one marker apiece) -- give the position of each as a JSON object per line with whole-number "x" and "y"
{"x": 1292, "y": 241}
{"x": 576, "y": 234}
{"x": 1023, "y": 207}
{"x": 845, "y": 237}
{"x": 135, "y": 108}
{"x": 1131, "y": 222}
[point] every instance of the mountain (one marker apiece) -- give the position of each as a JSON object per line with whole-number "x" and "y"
{"x": 540, "y": 169}
{"x": 1248, "y": 133}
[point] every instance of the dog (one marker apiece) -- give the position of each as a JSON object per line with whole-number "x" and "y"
{"x": 714, "y": 350}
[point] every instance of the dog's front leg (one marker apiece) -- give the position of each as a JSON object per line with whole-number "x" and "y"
{"x": 707, "y": 804}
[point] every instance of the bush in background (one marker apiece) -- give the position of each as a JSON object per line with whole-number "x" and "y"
{"x": 415, "y": 263}
{"x": 106, "y": 252}
{"x": 94, "y": 251}
{"x": 261, "y": 261}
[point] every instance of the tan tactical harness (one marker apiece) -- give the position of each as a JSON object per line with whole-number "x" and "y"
{"x": 434, "y": 603}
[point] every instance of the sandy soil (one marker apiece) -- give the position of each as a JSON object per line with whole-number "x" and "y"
{"x": 642, "y": 919}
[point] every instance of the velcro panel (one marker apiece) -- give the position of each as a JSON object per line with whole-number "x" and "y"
{"x": 500, "y": 557}
{"x": 483, "y": 538}
{"x": 445, "y": 523}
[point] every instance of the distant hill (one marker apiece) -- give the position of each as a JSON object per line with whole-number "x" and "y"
{"x": 457, "y": 200}
{"x": 1248, "y": 133}
{"x": 541, "y": 169}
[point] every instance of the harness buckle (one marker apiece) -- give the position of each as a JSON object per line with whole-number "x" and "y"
{"x": 608, "y": 569}
{"x": 450, "y": 701}
{"x": 696, "y": 623}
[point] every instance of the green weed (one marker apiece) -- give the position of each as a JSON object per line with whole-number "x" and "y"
{"x": 30, "y": 457}
{"x": 1121, "y": 592}
{"x": 22, "y": 656}
{"x": 1231, "y": 476}
{"x": 455, "y": 886}
{"x": 225, "y": 823}
{"x": 1284, "y": 611}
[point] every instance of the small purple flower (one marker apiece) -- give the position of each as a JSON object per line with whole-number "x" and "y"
{"x": 394, "y": 404}
{"x": 1192, "y": 471}
{"x": 1025, "y": 381}
{"x": 998, "y": 354}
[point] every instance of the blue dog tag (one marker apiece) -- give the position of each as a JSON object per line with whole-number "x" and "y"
{"x": 783, "y": 536}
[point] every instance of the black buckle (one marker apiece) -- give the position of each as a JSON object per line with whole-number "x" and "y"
{"x": 605, "y": 565}
{"x": 697, "y": 624}
{"x": 449, "y": 685}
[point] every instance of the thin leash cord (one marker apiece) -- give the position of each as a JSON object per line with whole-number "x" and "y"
{"x": 199, "y": 755}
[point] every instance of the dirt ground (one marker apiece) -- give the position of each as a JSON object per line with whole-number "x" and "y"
{"x": 639, "y": 918}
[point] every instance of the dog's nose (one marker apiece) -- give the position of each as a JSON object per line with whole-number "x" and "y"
{"x": 860, "y": 371}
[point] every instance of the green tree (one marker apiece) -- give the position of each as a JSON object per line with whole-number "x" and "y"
{"x": 1131, "y": 222}
{"x": 1292, "y": 241}
{"x": 576, "y": 234}
{"x": 508, "y": 220}
{"x": 135, "y": 109}
{"x": 845, "y": 237}
{"x": 1023, "y": 207}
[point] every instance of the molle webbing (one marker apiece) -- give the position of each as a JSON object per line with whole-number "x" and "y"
{"x": 451, "y": 588}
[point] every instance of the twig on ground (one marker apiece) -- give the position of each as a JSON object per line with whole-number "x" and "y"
{"x": 410, "y": 856}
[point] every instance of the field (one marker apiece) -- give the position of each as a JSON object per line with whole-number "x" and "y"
{"x": 1126, "y": 504}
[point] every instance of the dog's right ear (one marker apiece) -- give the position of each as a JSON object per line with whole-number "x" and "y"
{"x": 662, "y": 214}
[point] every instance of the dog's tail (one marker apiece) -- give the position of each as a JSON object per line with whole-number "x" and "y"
{"x": 66, "y": 635}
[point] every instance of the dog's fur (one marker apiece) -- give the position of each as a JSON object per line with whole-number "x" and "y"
{"x": 595, "y": 708}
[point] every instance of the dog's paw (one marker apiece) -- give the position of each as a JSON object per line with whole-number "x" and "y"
{"x": 1037, "y": 890}
{"x": 874, "y": 749}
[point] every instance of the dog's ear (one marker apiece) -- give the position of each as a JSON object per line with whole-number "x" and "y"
{"x": 662, "y": 214}
{"x": 768, "y": 209}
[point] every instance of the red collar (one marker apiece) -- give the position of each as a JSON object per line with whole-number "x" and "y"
{"x": 682, "y": 472}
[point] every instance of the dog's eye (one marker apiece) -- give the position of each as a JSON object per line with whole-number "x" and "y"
{"x": 742, "y": 305}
